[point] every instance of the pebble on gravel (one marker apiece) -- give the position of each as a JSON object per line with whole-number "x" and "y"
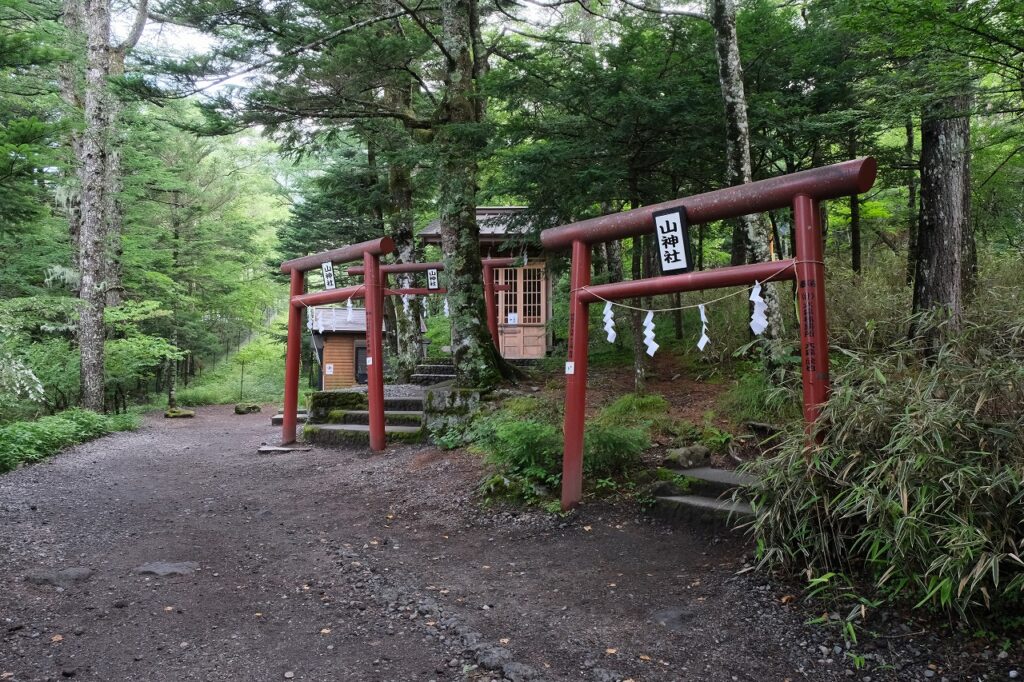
{"x": 61, "y": 578}
{"x": 493, "y": 657}
{"x": 519, "y": 672}
{"x": 166, "y": 568}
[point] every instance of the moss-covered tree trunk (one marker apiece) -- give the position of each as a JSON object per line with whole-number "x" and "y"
{"x": 92, "y": 228}
{"x": 401, "y": 221}
{"x": 945, "y": 241}
{"x": 407, "y": 313}
{"x": 908, "y": 159}
{"x": 98, "y": 160}
{"x": 459, "y": 141}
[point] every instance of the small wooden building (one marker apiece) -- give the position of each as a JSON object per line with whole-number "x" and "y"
{"x": 524, "y": 307}
{"x": 339, "y": 341}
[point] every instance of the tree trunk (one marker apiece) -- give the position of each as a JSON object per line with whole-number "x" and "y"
{"x": 407, "y": 318}
{"x": 636, "y": 320}
{"x": 114, "y": 220}
{"x": 700, "y": 246}
{"x": 756, "y": 231}
{"x": 600, "y": 259}
{"x": 93, "y": 228}
{"x": 615, "y": 260}
{"x": 908, "y": 156}
{"x": 636, "y": 316}
{"x": 459, "y": 142}
{"x": 945, "y": 241}
{"x": 172, "y": 384}
{"x": 70, "y": 90}
{"x": 854, "y": 214}
{"x": 738, "y": 250}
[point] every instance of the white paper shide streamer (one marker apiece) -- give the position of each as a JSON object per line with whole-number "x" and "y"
{"x": 447, "y": 310}
{"x": 348, "y": 310}
{"x": 609, "y": 322}
{"x": 704, "y": 338}
{"x": 758, "y": 319}
{"x": 652, "y": 346}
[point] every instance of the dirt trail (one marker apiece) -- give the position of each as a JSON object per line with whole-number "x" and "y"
{"x": 333, "y": 565}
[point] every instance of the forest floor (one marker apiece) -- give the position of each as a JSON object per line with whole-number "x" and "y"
{"x": 336, "y": 565}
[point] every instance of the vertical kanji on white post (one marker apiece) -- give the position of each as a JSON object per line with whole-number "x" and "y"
{"x": 328, "y": 272}
{"x": 672, "y": 234}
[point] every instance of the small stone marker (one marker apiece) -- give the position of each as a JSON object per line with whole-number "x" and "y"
{"x": 166, "y": 568}
{"x": 178, "y": 413}
{"x": 61, "y": 578}
{"x": 270, "y": 449}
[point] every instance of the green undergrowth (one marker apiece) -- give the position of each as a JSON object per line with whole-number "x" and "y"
{"x": 439, "y": 334}
{"x": 31, "y": 441}
{"x": 254, "y": 374}
{"x": 753, "y": 397}
{"x": 916, "y": 492}
{"x": 522, "y": 440}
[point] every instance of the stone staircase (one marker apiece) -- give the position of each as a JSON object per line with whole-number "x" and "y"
{"x": 346, "y": 421}
{"x": 707, "y": 494}
{"x": 278, "y": 418}
{"x": 433, "y": 372}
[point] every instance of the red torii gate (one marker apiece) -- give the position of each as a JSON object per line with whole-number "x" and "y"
{"x": 802, "y": 191}
{"x": 373, "y": 291}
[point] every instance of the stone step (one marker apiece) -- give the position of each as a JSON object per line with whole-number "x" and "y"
{"x": 359, "y": 434}
{"x": 717, "y": 483}
{"x": 430, "y": 379}
{"x": 700, "y": 509}
{"x": 436, "y": 369}
{"x": 278, "y": 418}
{"x": 391, "y": 417}
{"x": 408, "y": 403}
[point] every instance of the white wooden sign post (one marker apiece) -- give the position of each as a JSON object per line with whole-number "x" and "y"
{"x": 328, "y": 270}
{"x": 673, "y": 235}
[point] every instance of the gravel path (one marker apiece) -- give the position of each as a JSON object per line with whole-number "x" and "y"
{"x": 178, "y": 553}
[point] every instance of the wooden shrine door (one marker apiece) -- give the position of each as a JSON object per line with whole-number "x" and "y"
{"x": 522, "y": 311}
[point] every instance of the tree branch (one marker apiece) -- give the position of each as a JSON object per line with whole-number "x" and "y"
{"x": 167, "y": 19}
{"x": 295, "y": 50}
{"x": 668, "y": 12}
{"x": 411, "y": 13}
{"x": 138, "y": 26}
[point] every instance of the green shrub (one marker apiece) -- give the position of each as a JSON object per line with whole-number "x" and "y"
{"x": 611, "y": 450}
{"x": 753, "y": 398}
{"x": 635, "y": 410}
{"x": 32, "y": 441}
{"x": 533, "y": 407}
{"x": 523, "y": 440}
{"x": 524, "y": 446}
{"x": 918, "y": 483}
